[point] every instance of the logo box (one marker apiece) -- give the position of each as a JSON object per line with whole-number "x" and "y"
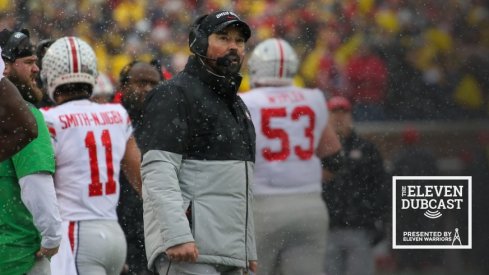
{"x": 431, "y": 212}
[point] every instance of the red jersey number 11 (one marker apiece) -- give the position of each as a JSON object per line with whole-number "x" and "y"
{"x": 95, "y": 187}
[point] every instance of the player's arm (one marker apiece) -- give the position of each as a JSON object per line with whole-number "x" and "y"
{"x": 131, "y": 164}
{"x": 17, "y": 124}
{"x": 38, "y": 195}
{"x": 330, "y": 152}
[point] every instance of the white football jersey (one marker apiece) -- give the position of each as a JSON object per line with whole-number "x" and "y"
{"x": 89, "y": 142}
{"x": 289, "y": 122}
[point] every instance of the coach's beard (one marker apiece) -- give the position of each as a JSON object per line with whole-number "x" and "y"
{"x": 229, "y": 64}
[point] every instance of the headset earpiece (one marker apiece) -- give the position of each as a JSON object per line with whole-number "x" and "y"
{"x": 124, "y": 74}
{"x": 197, "y": 38}
{"x": 11, "y": 46}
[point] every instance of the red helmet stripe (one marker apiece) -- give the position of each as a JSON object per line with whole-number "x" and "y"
{"x": 74, "y": 54}
{"x": 281, "y": 60}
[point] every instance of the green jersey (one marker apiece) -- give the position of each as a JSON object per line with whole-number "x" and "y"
{"x": 19, "y": 238}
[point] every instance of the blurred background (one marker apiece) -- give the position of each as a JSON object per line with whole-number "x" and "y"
{"x": 417, "y": 73}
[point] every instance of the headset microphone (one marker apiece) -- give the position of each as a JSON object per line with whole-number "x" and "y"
{"x": 205, "y": 57}
{"x": 220, "y": 61}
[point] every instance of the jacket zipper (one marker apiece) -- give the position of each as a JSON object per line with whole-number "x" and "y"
{"x": 246, "y": 219}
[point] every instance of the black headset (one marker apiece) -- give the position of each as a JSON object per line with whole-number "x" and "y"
{"x": 198, "y": 38}
{"x": 10, "y": 50}
{"x": 124, "y": 74}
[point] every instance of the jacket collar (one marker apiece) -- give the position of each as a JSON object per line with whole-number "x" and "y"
{"x": 224, "y": 86}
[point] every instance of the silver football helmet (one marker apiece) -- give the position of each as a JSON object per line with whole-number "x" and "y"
{"x": 68, "y": 60}
{"x": 273, "y": 62}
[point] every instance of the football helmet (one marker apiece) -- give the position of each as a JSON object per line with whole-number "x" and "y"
{"x": 273, "y": 62}
{"x": 68, "y": 60}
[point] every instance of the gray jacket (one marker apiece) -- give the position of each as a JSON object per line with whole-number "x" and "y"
{"x": 220, "y": 227}
{"x": 198, "y": 157}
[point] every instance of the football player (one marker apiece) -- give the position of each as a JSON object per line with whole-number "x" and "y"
{"x": 92, "y": 143}
{"x": 293, "y": 138}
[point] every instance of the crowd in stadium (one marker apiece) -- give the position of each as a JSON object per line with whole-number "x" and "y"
{"x": 426, "y": 59}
